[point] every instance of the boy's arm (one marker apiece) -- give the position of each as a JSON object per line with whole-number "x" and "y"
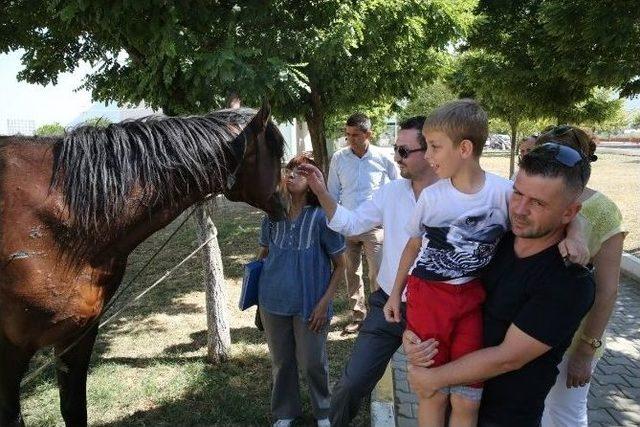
{"x": 392, "y": 307}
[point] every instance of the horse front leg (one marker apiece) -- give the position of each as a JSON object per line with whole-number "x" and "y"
{"x": 72, "y": 378}
{"x": 14, "y": 362}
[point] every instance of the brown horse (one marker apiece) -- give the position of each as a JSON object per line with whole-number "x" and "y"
{"x": 72, "y": 210}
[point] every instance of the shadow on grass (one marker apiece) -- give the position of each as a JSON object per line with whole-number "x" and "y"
{"x": 228, "y": 394}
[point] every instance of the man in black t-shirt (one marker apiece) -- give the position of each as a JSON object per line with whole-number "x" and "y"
{"x": 534, "y": 301}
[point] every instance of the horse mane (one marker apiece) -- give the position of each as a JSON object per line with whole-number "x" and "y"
{"x": 156, "y": 159}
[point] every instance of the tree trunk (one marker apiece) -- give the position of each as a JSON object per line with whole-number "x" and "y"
{"x": 514, "y": 130}
{"x": 302, "y": 131}
{"x": 315, "y": 122}
{"x": 218, "y": 334}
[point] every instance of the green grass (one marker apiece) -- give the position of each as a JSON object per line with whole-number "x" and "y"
{"x": 149, "y": 366}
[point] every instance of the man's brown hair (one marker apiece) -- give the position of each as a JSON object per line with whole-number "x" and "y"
{"x": 460, "y": 120}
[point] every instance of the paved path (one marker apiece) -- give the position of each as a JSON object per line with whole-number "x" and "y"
{"x": 614, "y": 398}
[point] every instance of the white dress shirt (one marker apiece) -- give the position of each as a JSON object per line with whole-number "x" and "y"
{"x": 391, "y": 206}
{"x": 352, "y": 179}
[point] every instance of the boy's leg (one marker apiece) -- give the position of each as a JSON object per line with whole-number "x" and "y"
{"x": 431, "y": 411}
{"x": 467, "y": 337}
{"x": 285, "y": 393}
{"x": 429, "y": 315}
{"x": 311, "y": 353}
{"x": 374, "y": 346}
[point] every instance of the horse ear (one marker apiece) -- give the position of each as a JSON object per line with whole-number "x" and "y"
{"x": 263, "y": 115}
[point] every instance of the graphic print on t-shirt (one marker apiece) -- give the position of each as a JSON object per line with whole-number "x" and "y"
{"x": 462, "y": 249}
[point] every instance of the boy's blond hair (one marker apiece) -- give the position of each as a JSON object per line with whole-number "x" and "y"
{"x": 459, "y": 120}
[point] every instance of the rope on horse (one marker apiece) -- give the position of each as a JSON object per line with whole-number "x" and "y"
{"x": 57, "y": 357}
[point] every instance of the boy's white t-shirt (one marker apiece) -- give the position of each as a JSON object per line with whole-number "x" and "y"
{"x": 460, "y": 232}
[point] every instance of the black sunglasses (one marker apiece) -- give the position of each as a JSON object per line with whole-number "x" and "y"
{"x": 404, "y": 152}
{"x": 562, "y": 153}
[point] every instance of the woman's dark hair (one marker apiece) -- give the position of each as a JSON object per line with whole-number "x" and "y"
{"x": 302, "y": 158}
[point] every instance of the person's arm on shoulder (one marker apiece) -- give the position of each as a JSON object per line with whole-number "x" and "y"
{"x": 607, "y": 277}
{"x": 574, "y": 246}
{"x": 391, "y": 309}
{"x": 318, "y": 318}
{"x": 515, "y": 351}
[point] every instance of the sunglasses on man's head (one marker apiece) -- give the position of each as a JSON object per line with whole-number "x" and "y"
{"x": 404, "y": 152}
{"x": 563, "y": 154}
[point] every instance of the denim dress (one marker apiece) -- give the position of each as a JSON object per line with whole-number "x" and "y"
{"x": 297, "y": 271}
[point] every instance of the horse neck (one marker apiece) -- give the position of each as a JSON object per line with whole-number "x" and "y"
{"x": 146, "y": 221}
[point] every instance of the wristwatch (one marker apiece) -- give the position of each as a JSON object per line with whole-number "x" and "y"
{"x": 595, "y": 343}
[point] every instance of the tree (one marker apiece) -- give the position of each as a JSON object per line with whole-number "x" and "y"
{"x": 97, "y": 121}
{"x": 510, "y": 66}
{"x": 427, "y": 98}
{"x": 635, "y": 119}
{"x": 52, "y": 129}
{"x": 311, "y": 59}
{"x": 597, "y": 42}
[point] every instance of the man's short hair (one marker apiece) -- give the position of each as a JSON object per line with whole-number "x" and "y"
{"x": 552, "y": 160}
{"x": 417, "y": 123}
{"x": 359, "y": 120}
{"x": 460, "y": 120}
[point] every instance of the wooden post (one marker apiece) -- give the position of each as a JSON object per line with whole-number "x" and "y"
{"x": 218, "y": 333}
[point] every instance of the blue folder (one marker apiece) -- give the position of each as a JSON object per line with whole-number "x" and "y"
{"x": 249, "y": 294}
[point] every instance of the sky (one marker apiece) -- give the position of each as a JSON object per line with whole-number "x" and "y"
{"x": 48, "y": 104}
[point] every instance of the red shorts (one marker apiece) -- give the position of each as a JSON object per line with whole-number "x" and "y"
{"x": 452, "y": 314}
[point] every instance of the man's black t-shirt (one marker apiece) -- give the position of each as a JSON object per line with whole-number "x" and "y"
{"x": 546, "y": 300}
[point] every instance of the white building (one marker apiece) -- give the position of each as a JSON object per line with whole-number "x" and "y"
{"x": 112, "y": 113}
{"x": 15, "y": 126}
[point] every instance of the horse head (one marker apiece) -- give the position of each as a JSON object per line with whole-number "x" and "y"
{"x": 256, "y": 179}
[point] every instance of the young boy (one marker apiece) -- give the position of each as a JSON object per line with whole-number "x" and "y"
{"x": 455, "y": 228}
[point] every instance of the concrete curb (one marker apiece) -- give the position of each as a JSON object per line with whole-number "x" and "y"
{"x": 382, "y": 402}
{"x": 630, "y": 265}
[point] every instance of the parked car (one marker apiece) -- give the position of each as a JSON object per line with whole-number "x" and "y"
{"x": 498, "y": 141}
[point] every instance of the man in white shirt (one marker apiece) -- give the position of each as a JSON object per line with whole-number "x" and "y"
{"x": 355, "y": 173}
{"x": 391, "y": 206}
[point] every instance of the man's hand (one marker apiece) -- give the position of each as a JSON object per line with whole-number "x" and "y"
{"x": 391, "y": 309}
{"x": 314, "y": 177}
{"x": 419, "y": 353}
{"x": 318, "y": 318}
{"x": 419, "y": 380}
{"x": 579, "y": 369}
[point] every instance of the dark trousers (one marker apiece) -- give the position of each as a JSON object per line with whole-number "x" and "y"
{"x": 377, "y": 341}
